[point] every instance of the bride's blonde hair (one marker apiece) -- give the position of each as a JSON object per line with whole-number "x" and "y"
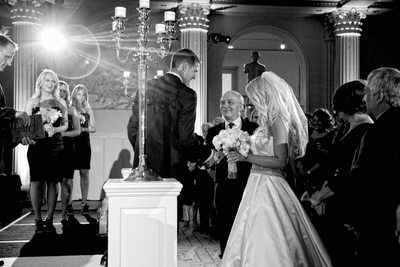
{"x": 274, "y": 98}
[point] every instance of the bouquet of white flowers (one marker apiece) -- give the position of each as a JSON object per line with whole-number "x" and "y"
{"x": 232, "y": 139}
{"x": 82, "y": 119}
{"x": 49, "y": 116}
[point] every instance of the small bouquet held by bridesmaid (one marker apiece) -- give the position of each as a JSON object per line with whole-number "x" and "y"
{"x": 232, "y": 139}
{"x": 49, "y": 116}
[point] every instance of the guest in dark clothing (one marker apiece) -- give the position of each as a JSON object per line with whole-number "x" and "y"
{"x": 334, "y": 201}
{"x": 7, "y": 114}
{"x": 318, "y": 146}
{"x": 204, "y": 189}
{"x": 229, "y": 191}
{"x": 375, "y": 172}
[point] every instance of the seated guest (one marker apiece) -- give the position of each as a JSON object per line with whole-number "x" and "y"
{"x": 334, "y": 200}
{"x": 320, "y": 141}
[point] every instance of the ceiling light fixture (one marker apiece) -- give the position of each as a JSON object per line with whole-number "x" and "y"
{"x": 218, "y": 38}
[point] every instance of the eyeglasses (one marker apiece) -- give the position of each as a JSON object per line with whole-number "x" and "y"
{"x": 229, "y": 102}
{"x": 8, "y": 59}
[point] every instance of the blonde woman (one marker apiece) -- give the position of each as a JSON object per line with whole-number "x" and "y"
{"x": 74, "y": 129}
{"x": 80, "y": 100}
{"x": 271, "y": 228}
{"x": 45, "y": 157}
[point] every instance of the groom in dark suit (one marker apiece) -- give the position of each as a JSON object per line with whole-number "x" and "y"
{"x": 229, "y": 191}
{"x": 375, "y": 173}
{"x": 171, "y": 115}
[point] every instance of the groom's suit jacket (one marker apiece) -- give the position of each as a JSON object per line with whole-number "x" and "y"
{"x": 171, "y": 115}
{"x": 229, "y": 191}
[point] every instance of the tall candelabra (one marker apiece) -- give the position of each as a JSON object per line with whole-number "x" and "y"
{"x": 164, "y": 36}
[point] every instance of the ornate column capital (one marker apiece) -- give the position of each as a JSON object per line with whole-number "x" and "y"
{"x": 28, "y": 11}
{"x": 347, "y": 22}
{"x": 193, "y": 16}
{"x": 329, "y": 35}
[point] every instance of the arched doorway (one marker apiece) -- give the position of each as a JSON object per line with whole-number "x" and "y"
{"x": 289, "y": 63}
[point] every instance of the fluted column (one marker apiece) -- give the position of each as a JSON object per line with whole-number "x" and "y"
{"x": 347, "y": 24}
{"x": 26, "y": 17}
{"x": 193, "y": 24}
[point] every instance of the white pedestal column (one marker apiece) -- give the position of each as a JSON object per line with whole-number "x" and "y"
{"x": 142, "y": 223}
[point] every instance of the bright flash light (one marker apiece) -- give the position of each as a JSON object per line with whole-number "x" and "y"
{"x": 283, "y": 46}
{"x": 52, "y": 39}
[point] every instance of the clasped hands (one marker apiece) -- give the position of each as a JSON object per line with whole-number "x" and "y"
{"x": 234, "y": 156}
{"x": 217, "y": 156}
{"x": 49, "y": 129}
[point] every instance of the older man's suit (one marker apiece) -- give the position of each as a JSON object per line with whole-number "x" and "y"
{"x": 376, "y": 178}
{"x": 7, "y": 115}
{"x": 229, "y": 191}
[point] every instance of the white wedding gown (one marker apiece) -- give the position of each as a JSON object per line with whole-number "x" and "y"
{"x": 271, "y": 228}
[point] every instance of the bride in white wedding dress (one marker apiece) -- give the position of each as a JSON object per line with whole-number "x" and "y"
{"x": 271, "y": 228}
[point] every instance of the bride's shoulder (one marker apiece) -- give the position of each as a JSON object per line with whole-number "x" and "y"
{"x": 262, "y": 131}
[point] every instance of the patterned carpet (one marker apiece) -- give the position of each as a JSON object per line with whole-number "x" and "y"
{"x": 197, "y": 249}
{"x": 20, "y": 247}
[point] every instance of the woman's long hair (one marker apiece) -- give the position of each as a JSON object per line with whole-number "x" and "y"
{"x": 40, "y": 81}
{"x": 85, "y": 104}
{"x": 68, "y": 98}
{"x": 274, "y": 98}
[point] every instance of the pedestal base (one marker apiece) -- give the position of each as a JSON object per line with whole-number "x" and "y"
{"x": 142, "y": 223}
{"x": 142, "y": 175}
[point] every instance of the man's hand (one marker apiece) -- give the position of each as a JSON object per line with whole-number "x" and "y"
{"x": 24, "y": 116}
{"x": 27, "y": 141}
{"x": 214, "y": 158}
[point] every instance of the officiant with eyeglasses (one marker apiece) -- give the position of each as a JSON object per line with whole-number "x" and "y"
{"x": 230, "y": 187}
{"x": 8, "y": 114}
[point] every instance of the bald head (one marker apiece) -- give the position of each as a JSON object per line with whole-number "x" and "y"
{"x": 231, "y": 105}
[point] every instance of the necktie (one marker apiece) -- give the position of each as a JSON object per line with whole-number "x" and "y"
{"x": 231, "y": 124}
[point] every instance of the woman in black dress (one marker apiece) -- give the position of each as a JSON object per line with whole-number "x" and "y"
{"x": 334, "y": 201}
{"x": 80, "y": 100}
{"x": 74, "y": 129}
{"x": 45, "y": 156}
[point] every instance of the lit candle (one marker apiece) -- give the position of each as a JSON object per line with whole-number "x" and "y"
{"x": 144, "y": 3}
{"x": 169, "y": 16}
{"x": 114, "y": 25}
{"x": 160, "y": 72}
{"x": 120, "y": 12}
{"x": 160, "y": 28}
{"x": 126, "y": 74}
